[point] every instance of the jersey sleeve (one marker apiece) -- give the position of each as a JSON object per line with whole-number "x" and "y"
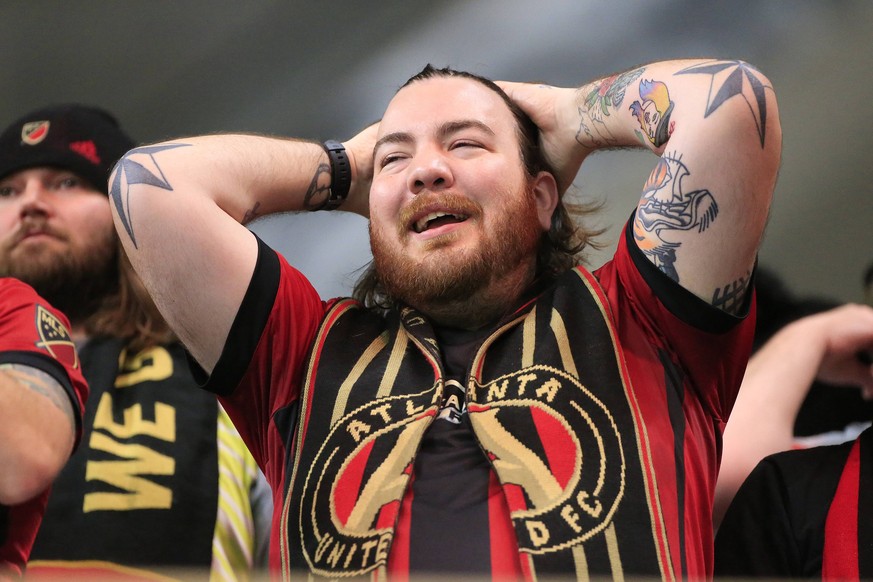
{"x": 711, "y": 346}
{"x": 259, "y": 372}
{"x": 35, "y": 334}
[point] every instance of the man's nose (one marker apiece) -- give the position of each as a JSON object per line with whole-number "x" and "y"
{"x": 430, "y": 170}
{"x": 34, "y": 199}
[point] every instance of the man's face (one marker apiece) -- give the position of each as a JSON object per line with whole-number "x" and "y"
{"x": 56, "y": 234}
{"x": 452, "y": 210}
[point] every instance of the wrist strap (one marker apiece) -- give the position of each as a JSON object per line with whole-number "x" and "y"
{"x": 340, "y": 175}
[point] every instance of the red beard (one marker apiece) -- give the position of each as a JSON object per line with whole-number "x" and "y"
{"x": 466, "y": 280}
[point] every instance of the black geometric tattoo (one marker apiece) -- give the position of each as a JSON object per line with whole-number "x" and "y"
{"x": 731, "y": 297}
{"x": 734, "y": 76}
{"x": 135, "y": 173}
{"x": 315, "y": 191}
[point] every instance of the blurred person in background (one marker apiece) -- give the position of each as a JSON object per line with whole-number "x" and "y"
{"x": 800, "y": 513}
{"x": 161, "y": 479}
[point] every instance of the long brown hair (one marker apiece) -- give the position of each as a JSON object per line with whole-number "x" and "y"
{"x": 561, "y": 248}
{"x": 130, "y": 314}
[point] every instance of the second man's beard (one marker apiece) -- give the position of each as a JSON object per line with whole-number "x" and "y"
{"x": 75, "y": 283}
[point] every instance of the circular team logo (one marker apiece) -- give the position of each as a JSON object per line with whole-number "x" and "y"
{"x": 557, "y": 452}
{"x": 352, "y": 491}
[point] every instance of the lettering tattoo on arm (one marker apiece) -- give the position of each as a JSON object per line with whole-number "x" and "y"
{"x": 138, "y": 166}
{"x": 40, "y": 382}
{"x": 596, "y": 103}
{"x": 667, "y": 207}
{"x": 731, "y": 297}
{"x": 730, "y": 79}
{"x": 319, "y": 188}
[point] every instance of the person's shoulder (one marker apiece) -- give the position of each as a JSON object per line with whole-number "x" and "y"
{"x": 14, "y": 288}
{"x": 805, "y": 459}
{"x": 806, "y": 474}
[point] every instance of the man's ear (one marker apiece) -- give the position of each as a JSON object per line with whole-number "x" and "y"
{"x": 545, "y": 193}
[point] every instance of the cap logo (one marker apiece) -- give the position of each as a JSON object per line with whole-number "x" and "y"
{"x": 34, "y": 132}
{"x": 87, "y": 150}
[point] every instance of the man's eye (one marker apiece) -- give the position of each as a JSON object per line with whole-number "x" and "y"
{"x": 68, "y": 182}
{"x": 6, "y": 191}
{"x": 389, "y": 159}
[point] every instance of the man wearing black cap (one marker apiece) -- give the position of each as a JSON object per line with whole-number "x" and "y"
{"x": 161, "y": 478}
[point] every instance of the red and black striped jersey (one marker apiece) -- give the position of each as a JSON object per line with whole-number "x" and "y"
{"x": 488, "y": 478}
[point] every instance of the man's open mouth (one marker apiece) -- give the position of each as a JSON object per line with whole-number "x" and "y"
{"x": 436, "y": 219}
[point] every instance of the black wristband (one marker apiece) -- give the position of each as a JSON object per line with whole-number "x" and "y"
{"x": 340, "y": 175}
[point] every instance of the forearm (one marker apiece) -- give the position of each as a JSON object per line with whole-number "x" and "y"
{"x": 644, "y": 106}
{"x": 36, "y": 434}
{"x": 761, "y": 423}
{"x": 245, "y": 175}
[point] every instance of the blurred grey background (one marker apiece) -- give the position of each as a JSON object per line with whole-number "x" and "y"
{"x": 323, "y": 70}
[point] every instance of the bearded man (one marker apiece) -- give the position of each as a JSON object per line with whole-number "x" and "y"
{"x": 161, "y": 478}
{"x": 484, "y": 405}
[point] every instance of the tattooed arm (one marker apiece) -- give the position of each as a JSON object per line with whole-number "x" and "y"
{"x": 824, "y": 346}
{"x": 715, "y": 126}
{"x": 180, "y": 206}
{"x": 36, "y": 431}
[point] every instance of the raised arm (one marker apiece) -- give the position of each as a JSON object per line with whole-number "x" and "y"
{"x": 37, "y": 431}
{"x": 715, "y": 126}
{"x": 180, "y": 208}
{"x": 832, "y": 346}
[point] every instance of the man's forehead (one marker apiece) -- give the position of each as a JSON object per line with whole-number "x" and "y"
{"x": 439, "y": 99}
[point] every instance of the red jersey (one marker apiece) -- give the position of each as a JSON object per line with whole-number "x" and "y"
{"x": 684, "y": 358}
{"x": 34, "y": 334}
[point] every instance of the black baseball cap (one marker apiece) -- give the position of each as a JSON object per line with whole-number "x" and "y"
{"x": 85, "y": 140}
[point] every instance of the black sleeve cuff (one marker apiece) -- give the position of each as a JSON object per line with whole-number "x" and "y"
{"x": 51, "y": 367}
{"x": 681, "y": 302}
{"x": 247, "y": 328}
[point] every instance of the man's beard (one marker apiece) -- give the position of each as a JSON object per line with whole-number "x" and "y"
{"x": 465, "y": 287}
{"x": 76, "y": 282}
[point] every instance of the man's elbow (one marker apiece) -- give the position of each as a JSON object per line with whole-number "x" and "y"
{"x": 32, "y": 473}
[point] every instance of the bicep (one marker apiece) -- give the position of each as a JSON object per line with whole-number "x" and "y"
{"x": 194, "y": 259}
{"x": 704, "y": 206}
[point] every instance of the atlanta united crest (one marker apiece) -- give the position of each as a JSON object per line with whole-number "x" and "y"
{"x": 561, "y": 462}
{"x": 55, "y": 338}
{"x": 34, "y": 132}
{"x": 352, "y": 492}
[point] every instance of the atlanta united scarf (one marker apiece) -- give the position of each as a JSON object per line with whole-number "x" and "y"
{"x": 549, "y": 402}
